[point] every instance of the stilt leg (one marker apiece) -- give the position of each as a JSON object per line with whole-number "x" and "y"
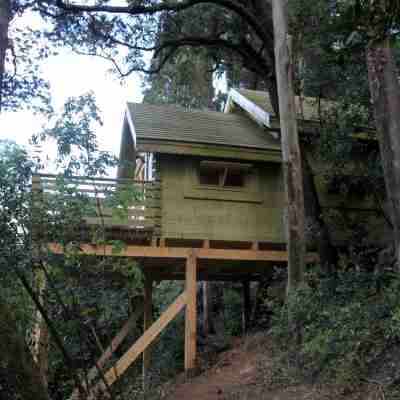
{"x": 206, "y": 309}
{"x": 190, "y": 316}
{"x": 246, "y": 306}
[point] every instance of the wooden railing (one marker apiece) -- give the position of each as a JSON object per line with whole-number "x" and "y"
{"x": 114, "y": 203}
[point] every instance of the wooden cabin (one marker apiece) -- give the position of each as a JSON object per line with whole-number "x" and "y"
{"x": 219, "y": 173}
{"x": 208, "y": 204}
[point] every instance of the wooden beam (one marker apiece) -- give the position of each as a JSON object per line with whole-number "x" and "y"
{"x": 115, "y": 343}
{"x": 190, "y": 317}
{"x": 236, "y": 166}
{"x": 183, "y": 252}
{"x": 128, "y": 251}
{"x": 142, "y": 343}
{"x": 261, "y": 116}
{"x": 147, "y": 321}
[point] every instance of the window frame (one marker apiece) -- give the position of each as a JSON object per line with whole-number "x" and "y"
{"x": 248, "y": 192}
{"x": 223, "y": 169}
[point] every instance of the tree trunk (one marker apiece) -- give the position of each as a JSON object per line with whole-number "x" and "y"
{"x": 19, "y": 376}
{"x": 293, "y": 181}
{"x": 385, "y": 95}
{"x": 40, "y": 334}
{"x": 5, "y": 16}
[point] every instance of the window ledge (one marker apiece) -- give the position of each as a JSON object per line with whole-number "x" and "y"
{"x": 209, "y": 192}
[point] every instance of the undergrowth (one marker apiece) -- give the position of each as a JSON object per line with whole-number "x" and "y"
{"x": 348, "y": 323}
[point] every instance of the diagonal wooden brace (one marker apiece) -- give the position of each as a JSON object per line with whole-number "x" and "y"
{"x": 141, "y": 344}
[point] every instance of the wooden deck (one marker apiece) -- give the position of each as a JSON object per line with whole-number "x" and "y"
{"x": 126, "y": 210}
{"x": 168, "y": 263}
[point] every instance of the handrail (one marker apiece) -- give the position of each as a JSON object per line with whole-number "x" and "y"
{"x": 92, "y": 178}
{"x": 140, "y": 212}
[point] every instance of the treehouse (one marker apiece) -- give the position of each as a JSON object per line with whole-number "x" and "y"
{"x": 202, "y": 199}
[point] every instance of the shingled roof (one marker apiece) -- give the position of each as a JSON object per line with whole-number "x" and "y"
{"x": 172, "y": 124}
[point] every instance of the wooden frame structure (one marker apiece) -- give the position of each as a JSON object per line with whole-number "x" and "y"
{"x": 162, "y": 258}
{"x": 192, "y": 265}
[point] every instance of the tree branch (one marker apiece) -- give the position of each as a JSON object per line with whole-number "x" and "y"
{"x": 239, "y": 9}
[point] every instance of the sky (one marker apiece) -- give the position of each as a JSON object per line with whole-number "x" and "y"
{"x": 73, "y": 75}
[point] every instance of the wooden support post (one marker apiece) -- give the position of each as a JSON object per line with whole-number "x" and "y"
{"x": 110, "y": 350}
{"x": 246, "y": 307}
{"x": 206, "y": 297}
{"x": 190, "y": 316}
{"x": 140, "y": 345}
{"x": 206, "y": 309}
{"x": 147, "y": 321}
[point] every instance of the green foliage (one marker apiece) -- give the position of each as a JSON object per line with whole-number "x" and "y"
{"x": 15, "y": 175}
{"x": 74, "y": 131}
{"x": 169, "y": 348}
{"x": 186, "y": 80}
{"x": 346, "y": 322}
{"x": 233, "y": 311}
{"x": 87, "y": 297}
{"x": 22, "y": 84}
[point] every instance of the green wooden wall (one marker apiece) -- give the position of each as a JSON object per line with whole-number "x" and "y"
{"x": 190, "y": 211}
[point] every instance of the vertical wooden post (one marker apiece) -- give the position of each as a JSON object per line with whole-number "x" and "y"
{"x": 190, "y": 316}
{"x": 147, "y": 321}
{"x": 206, "y": 297}
{"x": 246, "y": 306}
{"x": 206, "y": 309}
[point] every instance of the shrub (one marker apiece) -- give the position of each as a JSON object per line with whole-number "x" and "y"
{"x": 346, "y": 324}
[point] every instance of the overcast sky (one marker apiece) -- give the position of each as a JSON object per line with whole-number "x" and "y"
{"x": 72, "y": 75}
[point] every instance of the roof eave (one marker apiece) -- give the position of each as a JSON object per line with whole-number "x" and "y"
{"x": 127, "y": 152}
{"x": 208, "y": 150}
{"x": 259, "y": 115}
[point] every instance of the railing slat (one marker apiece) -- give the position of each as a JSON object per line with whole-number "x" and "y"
{"x": 143, "y": 212}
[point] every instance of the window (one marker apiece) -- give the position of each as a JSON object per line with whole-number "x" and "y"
{"x": 222, "y": 174}
{"x": 209, "y": 176}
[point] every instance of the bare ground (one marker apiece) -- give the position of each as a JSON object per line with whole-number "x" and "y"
{"x": 246, "y": 372}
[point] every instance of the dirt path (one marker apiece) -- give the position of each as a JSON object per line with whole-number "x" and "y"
{"x": 243, "y": 374}
{"x": 233, "y": 377}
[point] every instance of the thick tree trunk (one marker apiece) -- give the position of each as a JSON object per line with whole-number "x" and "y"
{"x": 293, "y": 181}
{"x": 385, "y": 95}
{"x": 5, "y": 16}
